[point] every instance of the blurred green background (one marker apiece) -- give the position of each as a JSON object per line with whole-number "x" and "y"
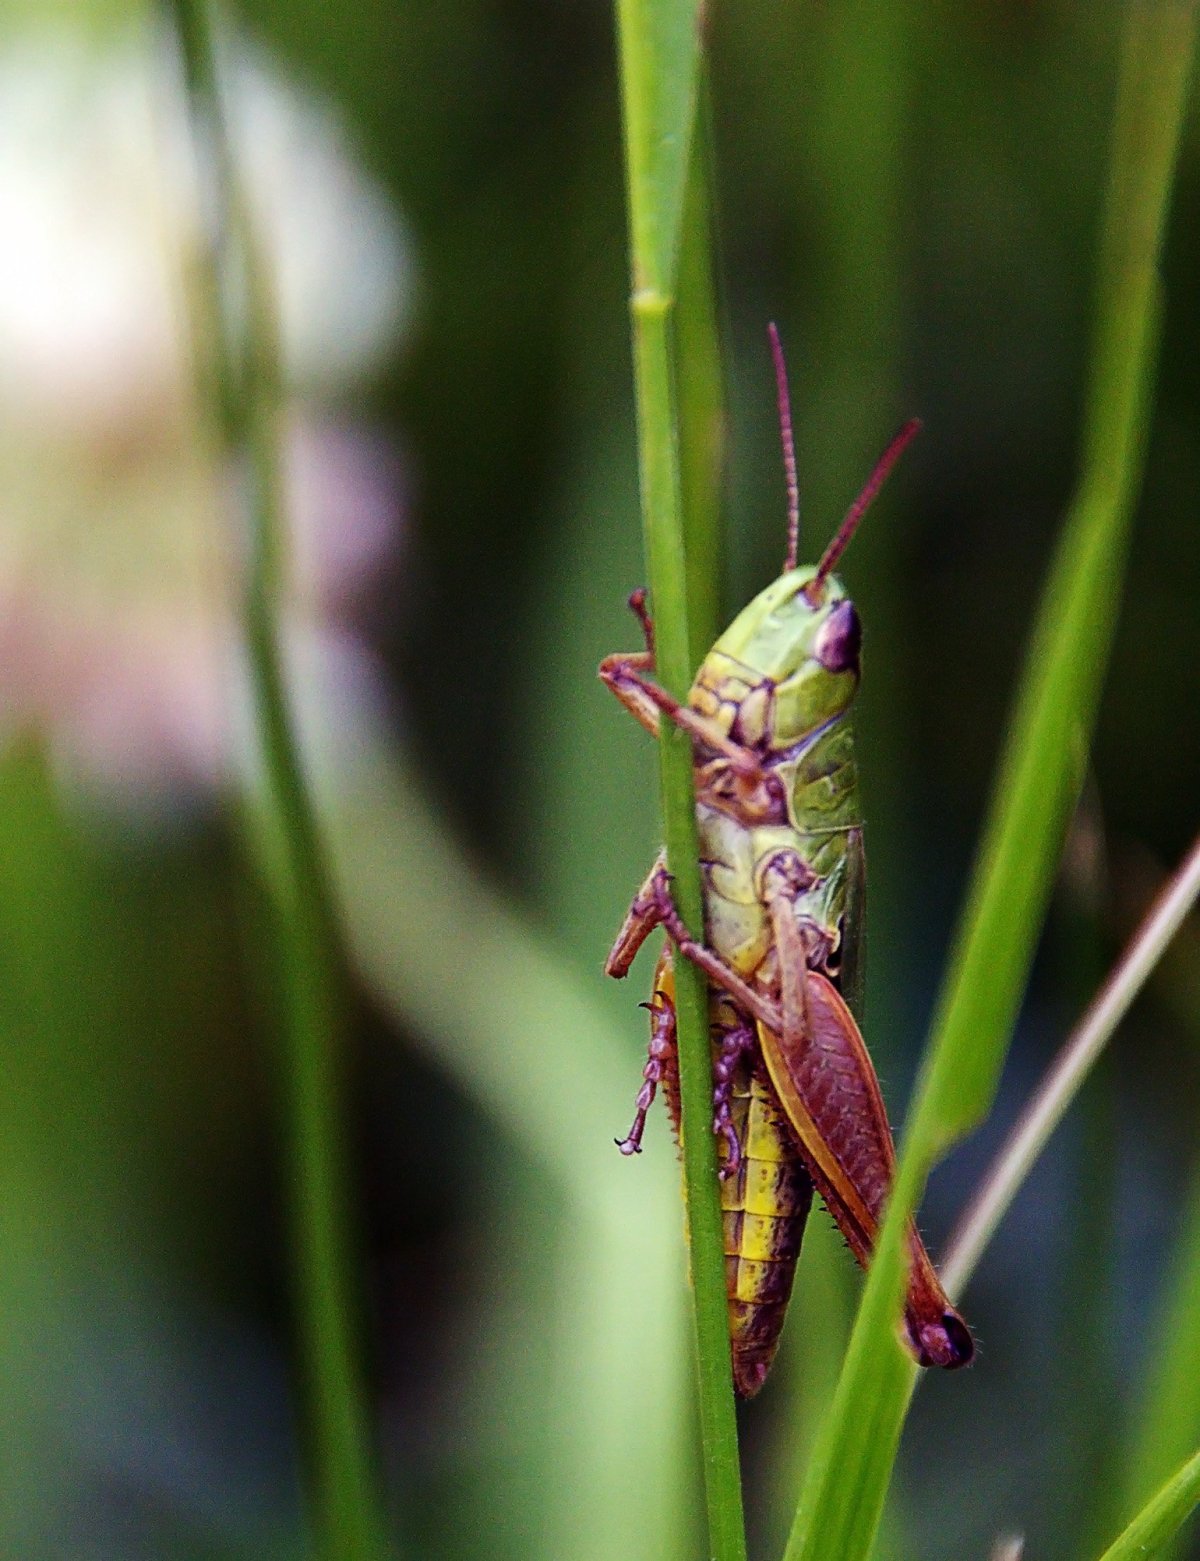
{"x": 912, "y": 192}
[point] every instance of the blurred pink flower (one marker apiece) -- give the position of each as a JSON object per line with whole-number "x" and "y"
{"x": 117, "y": 569}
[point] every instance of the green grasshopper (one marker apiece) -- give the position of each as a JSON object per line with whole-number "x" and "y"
{"x": 796, "y": 1101}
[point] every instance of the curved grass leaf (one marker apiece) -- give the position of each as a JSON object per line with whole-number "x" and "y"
{"x": 1048, "y": 737}
{"x": 1168, "y": 1420}
{"x": 1050, "y": 731}
{"x": 1161, "y": 1517}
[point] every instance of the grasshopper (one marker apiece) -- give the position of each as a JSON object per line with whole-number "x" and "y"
{"x": 796, "y": 1102}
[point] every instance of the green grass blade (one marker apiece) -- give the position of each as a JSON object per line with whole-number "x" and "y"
{"x": 1161, "y": 1517}
{"x": 847, "y": 1481}
{"x": 1049, "y": 735}
{"x": 496, "y": 1008}
{"x": 239, "y": 390}
{"x": 1168, "y": 1418}
{"x": 660, "y": 66}
{"x": 659, "y": 58}
{"x": 701, "y": 401}
{"x": 848, "y": 1475}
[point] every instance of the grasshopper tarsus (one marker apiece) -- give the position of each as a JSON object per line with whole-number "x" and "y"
{"x": 625, "y": 673}
{"x": 660, "y": 1056}
{"x": 637, "y": 606}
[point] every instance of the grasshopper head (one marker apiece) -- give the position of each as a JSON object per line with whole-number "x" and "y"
{"x": 799, "y": 640}
{"x": 802, "y": 635}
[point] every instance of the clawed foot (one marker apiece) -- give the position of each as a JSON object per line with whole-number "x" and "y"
{"x": 659, "y": 1053}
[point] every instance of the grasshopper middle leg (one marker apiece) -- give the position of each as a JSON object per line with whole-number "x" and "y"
{"x": 653, "y": 907}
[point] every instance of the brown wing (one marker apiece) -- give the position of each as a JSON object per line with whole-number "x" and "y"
{"x": 826, "y": 1083}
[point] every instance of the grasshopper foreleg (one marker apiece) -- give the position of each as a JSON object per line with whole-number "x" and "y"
{"x": 625, "y": 674}
{"x": 622, "y": 672}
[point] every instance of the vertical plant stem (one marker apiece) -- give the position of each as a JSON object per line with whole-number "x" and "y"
{"x": 662, "y": 513}
{"x": 235, "y": 349}
{"x": 701, "y": 405}
{"x": 659, "y": 52}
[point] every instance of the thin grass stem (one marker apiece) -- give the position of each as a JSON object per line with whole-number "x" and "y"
{"x": 239, "y": 391}
{"x": 1054, "y": 1095}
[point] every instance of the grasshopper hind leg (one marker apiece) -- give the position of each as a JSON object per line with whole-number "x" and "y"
{"x": 732, "y": 1041}
{"x": 661, "y": 1060}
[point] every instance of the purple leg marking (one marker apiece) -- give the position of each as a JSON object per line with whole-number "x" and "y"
{"x": 733, "y": 1044}
{"x": 659, "y": 1054}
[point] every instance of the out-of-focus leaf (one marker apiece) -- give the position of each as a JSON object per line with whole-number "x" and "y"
{"x": 1055, "y": 712}
{"x": 500, "y": 1015}
{"x": 1162, "y": 1515}
{"x": 1168, "y": 1418}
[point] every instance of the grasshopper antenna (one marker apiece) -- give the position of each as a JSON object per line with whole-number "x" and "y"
{"x": 860, "y": 506}
{"x": 789, "y": 449}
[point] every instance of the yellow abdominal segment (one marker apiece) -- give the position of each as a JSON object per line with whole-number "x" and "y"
{"x": 764, "y": 1208}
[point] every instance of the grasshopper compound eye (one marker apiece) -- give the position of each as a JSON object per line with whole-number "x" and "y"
{"x": 839, "y": 639}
